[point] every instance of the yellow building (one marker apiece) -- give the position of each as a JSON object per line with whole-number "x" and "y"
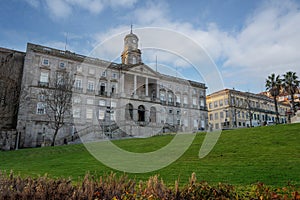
{"x": 230, "y": 108}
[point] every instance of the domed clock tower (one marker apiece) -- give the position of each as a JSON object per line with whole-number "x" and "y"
{"x": 131, "y": 54}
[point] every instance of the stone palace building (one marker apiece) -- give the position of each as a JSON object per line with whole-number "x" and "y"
{"x": 231, "y": 108}
{"x": 109, "y": 99}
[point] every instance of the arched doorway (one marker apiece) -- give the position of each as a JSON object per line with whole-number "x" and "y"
{"x": 129, "y": 112}
{"x": 153, "y": 114}
{"x": 141, "y": 113}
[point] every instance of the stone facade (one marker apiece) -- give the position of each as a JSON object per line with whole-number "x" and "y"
{"x": 109, "y": 99}
{"x": 11, "y": 68}
{"x": 232, "y": 109}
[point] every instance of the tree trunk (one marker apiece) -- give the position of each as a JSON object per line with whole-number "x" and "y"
{"x": 276, "y": 110}
{"x": 54, "y": 137}
{"x": 293, "y": 103}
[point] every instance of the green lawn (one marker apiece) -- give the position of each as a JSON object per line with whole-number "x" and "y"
{"x": 241, "y": 157}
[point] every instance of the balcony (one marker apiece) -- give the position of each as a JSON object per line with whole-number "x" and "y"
{"x": 195, "y": 106}
{"x": 178, "y": 104}
{"x": 43, "y": 84}
{"x": 102, "y": 93}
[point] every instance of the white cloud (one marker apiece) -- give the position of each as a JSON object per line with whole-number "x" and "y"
{"x": 58, "y": 9}
{"x": 122, "y": 3}
{"x": 33, "y": 3}
{"x": 268, "y": 42}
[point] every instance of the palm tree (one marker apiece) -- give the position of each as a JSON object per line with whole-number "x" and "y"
{"x": 290, "y": 85}
{"x": 273, "y": 85}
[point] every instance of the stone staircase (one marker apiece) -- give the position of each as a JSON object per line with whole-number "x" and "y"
{"x": 296, "y": 118}
{"x": 103, "y": 131}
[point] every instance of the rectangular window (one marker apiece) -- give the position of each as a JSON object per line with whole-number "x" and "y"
{"x": 227, "y": 114}
{"x": 185, "y": 99}
{"x": 90, "y": 86}
{"x": 101, "y": 114}
{"x": 44, "y": 78}
{"x": 113, "y": 104}
{"x": 78, "y": 83}
{"x": 216, "y": 116}
{"x": 40, "y": 108}
{"x": 215, "y": 104}
{"x": 194, "y": 91}
{"x": 114, "y": 76}
{"x": 45, "y": 62}
{"x": 210, "y": 105}
{"x": 202, "y": 102}
{"x": 170, "y": 97}
{"x": 211, "y": 117}
{"x": 226, "y": 102}
{"x": 62, "y": 65}
{"x": 194, "y": 101}
{"x": 162, "y": 96}
{"x": 112, "y": 115}
{"x": 90, "y": 101}
{"x": 103, "y": 74}
{"x": 76, "y": 112}
{"x": 221, "y": 102}
{"x": 178, "y": 99}
{"x": 102, "y": 103}
{"x": 221, "y": 115}
{"x": 77, "y": 100}
{"x": 217, "y": 126}
{"x": 89, "y": 113}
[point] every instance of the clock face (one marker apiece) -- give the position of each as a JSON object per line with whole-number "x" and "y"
{"x": 134, "y": 41}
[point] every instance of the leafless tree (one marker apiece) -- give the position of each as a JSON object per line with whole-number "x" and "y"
{"x": 58, "y": 101}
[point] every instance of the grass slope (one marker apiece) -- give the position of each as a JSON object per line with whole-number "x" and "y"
{"x": 241, "y": 157}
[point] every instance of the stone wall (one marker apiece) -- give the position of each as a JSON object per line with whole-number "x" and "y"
{"x": 11, "y": 70}
{"x": 8, "y": 139}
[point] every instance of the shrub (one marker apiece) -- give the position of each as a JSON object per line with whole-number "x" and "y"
{"x": 112, "y": 187}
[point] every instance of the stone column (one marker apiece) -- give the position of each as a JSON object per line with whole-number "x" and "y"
{"x": 134, "y": 85}
{"x": 146, "y": 85}
{"x": 157, "y": 90}
{"x": 122, "y": 82}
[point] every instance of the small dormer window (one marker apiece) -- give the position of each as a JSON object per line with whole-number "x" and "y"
{"x": 45, "y": 62}
{"x": 114, "y": 76}
{"x": 62, "y": 65}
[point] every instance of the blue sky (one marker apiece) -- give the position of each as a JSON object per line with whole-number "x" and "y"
{"x": 247, "y": 40}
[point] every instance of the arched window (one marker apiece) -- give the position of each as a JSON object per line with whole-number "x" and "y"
{"x": 141, "y": 113}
